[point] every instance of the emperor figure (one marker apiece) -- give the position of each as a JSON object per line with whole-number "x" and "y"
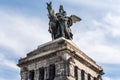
{"x": 60, "y": 23}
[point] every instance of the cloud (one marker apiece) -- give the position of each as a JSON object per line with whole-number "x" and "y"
{"x": 19, "y": 32}
{"x": 104, "y": 4}
{"x": 15, "y": 78}
{"x": 95, "y": 40}
{"x": 112, "y": 22}
{"x": 2, "y": 79}
{"x": 108, "y": 78}
{"x": 7, "y": 63}
{"x": 111, "y": 70}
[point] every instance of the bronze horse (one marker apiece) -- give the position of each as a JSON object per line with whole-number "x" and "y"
{"x": 53, "y": 21}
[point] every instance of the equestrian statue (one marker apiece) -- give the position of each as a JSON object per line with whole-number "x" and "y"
{"x": 60, "y": 23}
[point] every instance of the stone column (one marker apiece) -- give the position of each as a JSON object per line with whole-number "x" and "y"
{"x": 79, "y": 74}
{"x": 37, "y": 74}
{"x": 24, "y": 75}
{"x": 60, "y": 71}
{"x": 46, "y": 76}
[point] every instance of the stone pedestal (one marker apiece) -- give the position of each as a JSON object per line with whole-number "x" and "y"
{"x": 60, "y": 59}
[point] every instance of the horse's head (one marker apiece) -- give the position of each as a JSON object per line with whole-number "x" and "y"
{"x": 50, "y": 9}
{"x": 49, "y": 6}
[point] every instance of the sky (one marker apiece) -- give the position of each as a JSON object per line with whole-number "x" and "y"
{"x": 24, "y": 26}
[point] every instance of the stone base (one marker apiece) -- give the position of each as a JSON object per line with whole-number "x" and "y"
{"x": 60, "y": 59}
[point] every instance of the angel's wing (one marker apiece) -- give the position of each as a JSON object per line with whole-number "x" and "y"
{"x": 75, "y": 18}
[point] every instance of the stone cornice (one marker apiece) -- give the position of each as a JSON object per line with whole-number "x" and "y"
{"x": 51, "y": 48}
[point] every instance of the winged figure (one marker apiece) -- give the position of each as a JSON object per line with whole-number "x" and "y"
{"x": 75, "y": 18}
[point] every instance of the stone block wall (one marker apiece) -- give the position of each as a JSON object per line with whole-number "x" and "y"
{"x": 59, "y": 60}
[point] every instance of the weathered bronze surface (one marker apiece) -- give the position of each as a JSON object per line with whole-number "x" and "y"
{"x": 60, "y": 23}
